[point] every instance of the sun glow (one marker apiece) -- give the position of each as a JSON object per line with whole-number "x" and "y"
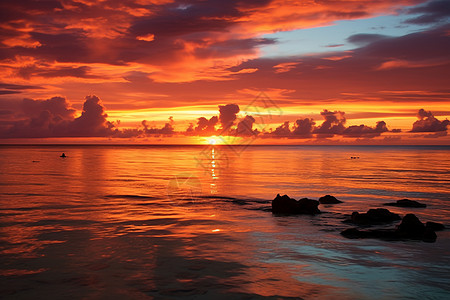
{"x": 214, "y": 140}
{"x": 222, "y": 140}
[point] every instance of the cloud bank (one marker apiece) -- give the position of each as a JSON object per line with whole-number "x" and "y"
{"x": 55, "y": 117}
{"x": 428, "y": 123}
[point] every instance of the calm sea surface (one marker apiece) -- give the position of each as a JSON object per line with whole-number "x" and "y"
{"x": 169, "y": 222}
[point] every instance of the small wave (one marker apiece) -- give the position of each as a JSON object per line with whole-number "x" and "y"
{"x": 131, "y": 197}
{"x": 40, "y": 207}
{"x": 53, "y": 222}
{"x": 150, "y": 222}
{"x": 23, "y": 194}
{"x": 234, "y": 200}
{"x": 123, "y": 180}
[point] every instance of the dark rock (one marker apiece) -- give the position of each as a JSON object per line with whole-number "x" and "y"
{"x": 373, "y": 216}
{"x": 410, "y": 228}
{"x": 406, "y": 203}
{"x": 308, "y": 206}
{"x": 435, "y": 226}
{"x": 286, "y": 205}
{"x": 328, "y": 199}
{"x": 429, "y": 236}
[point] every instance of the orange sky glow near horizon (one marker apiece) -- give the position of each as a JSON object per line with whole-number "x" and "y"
{"x": 215, "y": 72}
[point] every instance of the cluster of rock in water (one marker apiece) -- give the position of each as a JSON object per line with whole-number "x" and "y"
{"x": 409, "y": 228}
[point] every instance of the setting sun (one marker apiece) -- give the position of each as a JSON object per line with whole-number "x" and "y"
{"x": 213, "y": 140}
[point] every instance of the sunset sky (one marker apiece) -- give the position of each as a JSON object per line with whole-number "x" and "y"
{"x": 273, "y": 71}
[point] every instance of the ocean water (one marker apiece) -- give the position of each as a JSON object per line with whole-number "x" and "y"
{"x": 194, "y": 222}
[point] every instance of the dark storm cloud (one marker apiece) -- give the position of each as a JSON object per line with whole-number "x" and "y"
{"x": 179, "y": 22}
{"x": 431, "y": 12}
{"x": 190, "y": 17}
{"x": 23, "y": 9}
{"x": 173, "y": 26}
{"x": 49, "y": 72}
{"x": 93, "y": 120}
{"x": 204, "y": 126}
{"x": 245, "y": 127}
{"x": 40, "y": 119}
{"x": 65, "y": 47}
{"x": 176, "y": 31}
{"x": 7, "y": 88}
{"x": 428, "y": 123}
{"x": 6, "y": 92}
{"x": 207, "y": 125}
{"x": 346, "y": 15}
{"x": 303, "y": 128}
{"x": 365, "y": 38}
{"x": 55, "y": 117}
{"x": 58, "y": 107}
{"x": 334, "y": 123}
{"x": 434, "y": 44}
{"x": 281, "y": 131}
{"x": 149, "y": 131}
{"x": 227, "y": 118}
{"x": 232, "y": 47}
{"x": 227, "y": 114}
{"x": 365, "y": 131}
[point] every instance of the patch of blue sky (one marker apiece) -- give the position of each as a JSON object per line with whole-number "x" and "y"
{"x": 334, "y": 37}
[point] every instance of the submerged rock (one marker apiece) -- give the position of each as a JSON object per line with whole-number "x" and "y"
{"x": 373, "y": 216}
{"x": 308, "y": 206}
{"x": 406, "y": 203}
{"x": 435, "y": 226}
{"x": 328, "y": 199}
{"x": 286, "y": 205}
{"x": 410, "y": 225}
{"x": 410, "y": 228}
{"x": 354, "y": 233}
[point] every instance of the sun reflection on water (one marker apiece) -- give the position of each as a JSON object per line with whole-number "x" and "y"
{"x": 101, "y": 221}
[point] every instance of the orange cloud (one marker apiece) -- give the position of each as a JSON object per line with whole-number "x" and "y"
{"x": 145, "y": 55}
{"x": 398, "y": 63}
{"x": 284, "y": 15}
{"x": 285, "y": 67}
{"x": 148, "y": 37}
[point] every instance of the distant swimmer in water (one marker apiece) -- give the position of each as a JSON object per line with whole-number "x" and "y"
{"x": 63, "y": 155}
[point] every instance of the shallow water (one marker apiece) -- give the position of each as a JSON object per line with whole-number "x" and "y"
{"x": 193, "y": 222}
